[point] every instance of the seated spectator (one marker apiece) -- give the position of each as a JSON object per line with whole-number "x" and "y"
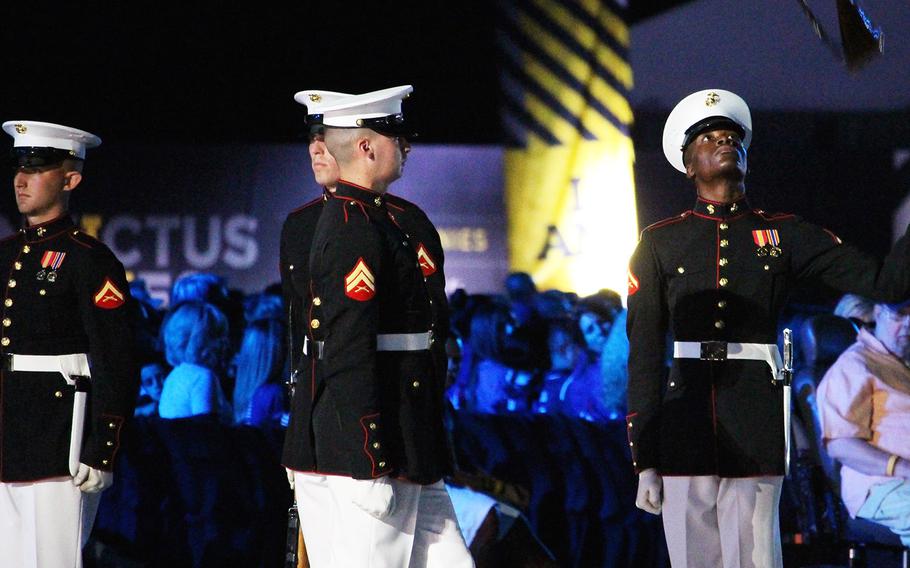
{"x": 486, "y": 383}
{"x": 260, "y": 374}
{"x": 565, "y": 354}
{"x": 520, "y": 288}
{"x": 601, "y": 320}
{"x": 195, "y": 342}
{"x": 614, "y": 367}
{"x": 856, "y": 309}
{"x": 864, "y": 402}
{"x": 212, "y": 289}
{"x": 152, "y": 379}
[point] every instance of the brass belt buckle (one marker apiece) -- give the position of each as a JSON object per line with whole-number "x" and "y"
{"x": 713, "y": 350}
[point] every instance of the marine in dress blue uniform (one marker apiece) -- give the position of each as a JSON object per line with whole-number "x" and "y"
{"x": 714, "y": 280}
{"x": 366, "y": 428}
{"x": 296, "y": 240}
{"x": 68, "y": 381}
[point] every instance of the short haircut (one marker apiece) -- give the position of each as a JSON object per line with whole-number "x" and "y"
{"x": 341, "y": 142}
{"x": 73, "y": 165}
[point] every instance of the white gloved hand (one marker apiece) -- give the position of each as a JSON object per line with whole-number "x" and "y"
{"x": 290, "y": 473}
{"x": 91, "y": 480}
{"x": 650, "y": 491}
{"x": 375, "y": 496}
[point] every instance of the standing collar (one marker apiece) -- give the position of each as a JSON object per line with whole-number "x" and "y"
{"x": 348, "y": 190}
{"x": 717, "y": 210}
{"x": 47, "y": 229}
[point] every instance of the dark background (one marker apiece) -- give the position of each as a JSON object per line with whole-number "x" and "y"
{"x": 204, "y": 73}
{"x": 228, "y": 71}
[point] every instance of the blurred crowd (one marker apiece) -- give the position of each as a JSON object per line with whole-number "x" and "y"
{"x": 216, "y": 351}
{"x": 537, "y": 391}
{"x": 539, "y": 352}
{"x": 213, "y": 407}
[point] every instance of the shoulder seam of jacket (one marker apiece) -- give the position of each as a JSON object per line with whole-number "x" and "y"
{"x": 667, "y": 221}
{"x": 306, "y": 205}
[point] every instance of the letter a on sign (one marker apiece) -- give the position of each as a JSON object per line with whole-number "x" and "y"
{"x": 108, "y": 296}
{"x": 360, "y": 284}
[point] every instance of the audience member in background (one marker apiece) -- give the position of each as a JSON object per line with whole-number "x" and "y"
{"x": 526, "y": 346}
{"x": 605, "y": 375}
{"x": 565, "y": 354}
{"x": 864, "y": 401}
{"x": 148, "y": 327}
{"x": 856, "y": 309}
{"x": 260, "y": 373}
{"x": 486, "y": 383}
{"x": 195, "y": 342}
{"x": 211, "y": 288}
{"x": 811, "y": 491}
{"x": 152, "y": 380}
{"x": 520, "y": 288}
{"x": 263, "y": 306}
{"x": 199, "y": 287}
{"x": 614, "y": 367}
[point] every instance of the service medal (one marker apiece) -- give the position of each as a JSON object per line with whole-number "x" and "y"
{"x": 53, "y": 260}
{"x": 767, "y": 241}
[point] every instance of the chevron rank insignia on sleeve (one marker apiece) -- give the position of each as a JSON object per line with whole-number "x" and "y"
{"x": 360, "y": 284}
{"x": 108, "y": 296}
{"x": 427, "y": 264}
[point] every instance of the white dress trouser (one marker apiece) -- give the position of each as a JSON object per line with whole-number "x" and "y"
{"x": 41, "y": 523}
{"x": 421, "y": 531}
{"x": 714, "y": 522}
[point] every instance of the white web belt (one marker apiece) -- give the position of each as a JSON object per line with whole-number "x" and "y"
{"x": 71, "y": 367}
{"x": 404, "y": 341}
{"x": 723, "y": 351}
{"x": 384, "y": 342}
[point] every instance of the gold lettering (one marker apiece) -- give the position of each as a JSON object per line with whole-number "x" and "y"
{"x": 464, "y": 239}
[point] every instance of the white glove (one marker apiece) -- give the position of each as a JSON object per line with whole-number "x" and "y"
{"x": 375, "y": 496}
{"x": 650, "y": 489}
{"x": 91, "y": 480}
{"x": 290, "y": 473}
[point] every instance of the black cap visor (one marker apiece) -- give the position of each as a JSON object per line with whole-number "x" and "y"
{"x": 712, "y": 123}
{"x": 391, "y": 125}
{"x": 38, "y": 157}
